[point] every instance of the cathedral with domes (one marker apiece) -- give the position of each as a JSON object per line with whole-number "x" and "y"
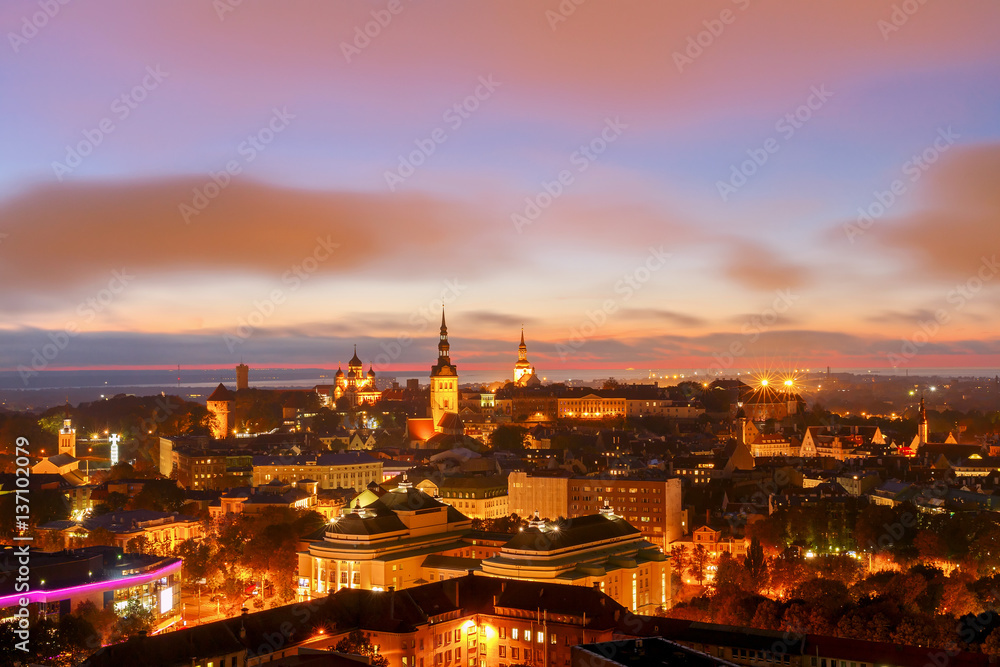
{"x": 356, "y": 385}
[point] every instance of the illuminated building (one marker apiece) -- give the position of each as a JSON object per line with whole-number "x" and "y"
{"x": 762, "y": 403}
{"x": 598, "y": 550}
{"x": 68, "y": 467}
{"x": 922, "y": 428}
{"x": 444, "y": 381}
{"x": 165, "y": 528}
{"x": 349, "y": 470}
{"x": 201, "y": 469}
{"x": 382, "y": 544}
{"x": 359, "y": 387}
{"x": 524, "y": 372}
{"x": 404, "y": 537}
{"x": 651, "y": 503}
{"x": 475, "y": 496}
{"x": 222, "y": 405}
{"x": 467, "y": 621}
{"x": 486, "y": 622}
{"x": 591, "y": 405}
{"x": 67, "y": 438}
{"x": 59, "y": 581}
{"x": 257, "y": 500}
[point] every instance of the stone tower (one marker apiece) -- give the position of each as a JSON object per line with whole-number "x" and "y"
{"x": 222, "y": 405}
{"x": 242, "y": 377}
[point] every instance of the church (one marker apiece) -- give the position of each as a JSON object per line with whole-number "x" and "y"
{"x": 443, "y": 398}
{"x": 357, "y": 386}
{"x": 524, "y": 372}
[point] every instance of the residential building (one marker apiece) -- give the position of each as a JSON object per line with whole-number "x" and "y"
{"x": 470, "y": 620}
{"x": 475, "y": 496}
{"x": 163, "y": 529}
{"x": 213, "y": 469}
{"x": 352, "y": 469}
{"x": 650, "y": 500}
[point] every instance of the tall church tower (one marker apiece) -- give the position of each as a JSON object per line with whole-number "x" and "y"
{"x": 922, "y": 426}
{"x": 67, "y": 438}
{"x": 444, "y": 380}
{"x": 522, "y": 368}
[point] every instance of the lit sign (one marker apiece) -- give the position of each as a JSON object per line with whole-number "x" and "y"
{"x": 166, "y": 600}
{"x": 114, "y": 439}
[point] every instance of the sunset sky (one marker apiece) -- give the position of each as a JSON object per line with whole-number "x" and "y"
{"x": 117, "y": 115}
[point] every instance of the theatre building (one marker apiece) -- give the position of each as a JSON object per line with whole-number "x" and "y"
{"x": 383, "y": 544}
{"x": 600, "y": 551}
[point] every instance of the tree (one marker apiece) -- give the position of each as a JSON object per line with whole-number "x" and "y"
{"x": 730, "y": 577}
{"x": 678, "y": 558}
{"x": 161, "y": 495}
{"x": 324, "y": 421}
{"x": 134, "y": 619}
{"x": 100, "y": 537}
{"x": 699, "y": 561}
{"x": 756, "y": 564}
{"x": 508, "y": 437}
{"x": 929, "y": 546}
{"x": 360, "y": 643}
{"x": 101, "y": 619}
{"x": 991, "y": 646}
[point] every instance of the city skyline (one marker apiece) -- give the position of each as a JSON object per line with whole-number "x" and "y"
{"x": 665, "y": 186}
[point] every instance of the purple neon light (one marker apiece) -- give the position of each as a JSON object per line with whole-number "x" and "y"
{"x": 60, "y": 593}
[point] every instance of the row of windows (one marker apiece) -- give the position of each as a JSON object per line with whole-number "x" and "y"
{"x": 611, "y": 489}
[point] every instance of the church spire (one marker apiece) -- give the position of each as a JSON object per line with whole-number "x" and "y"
{"x": 444, "y": 348}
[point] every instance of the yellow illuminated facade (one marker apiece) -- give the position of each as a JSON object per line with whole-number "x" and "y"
{"x": 444, "y": 381}
{"x": 523, "y": 370}
{"x": 359, "y": 388}
{"x": 222, "y": 405}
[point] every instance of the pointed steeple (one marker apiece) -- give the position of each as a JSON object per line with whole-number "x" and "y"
{"x": 444, "y": 348}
